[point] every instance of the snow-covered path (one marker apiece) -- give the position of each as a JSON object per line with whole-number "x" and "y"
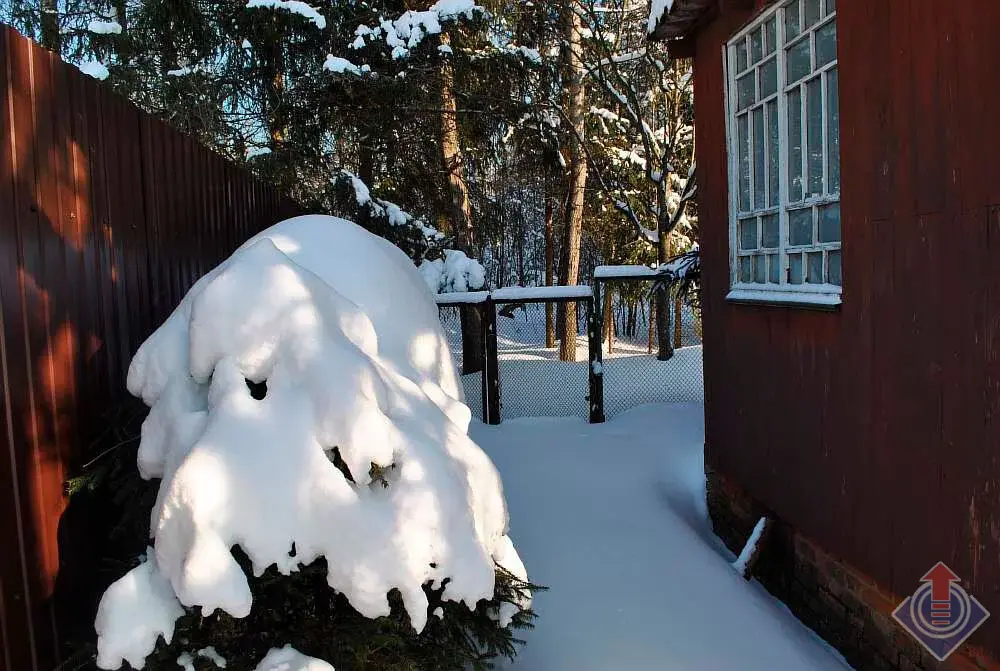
{"x": 612, "y": 519}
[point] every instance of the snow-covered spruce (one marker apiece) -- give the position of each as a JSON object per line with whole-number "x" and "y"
{"x": 407, "y": 32}
{"x": 339, "y": 325}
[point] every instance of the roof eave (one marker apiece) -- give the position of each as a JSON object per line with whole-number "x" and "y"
{"x": 682, "y": 19}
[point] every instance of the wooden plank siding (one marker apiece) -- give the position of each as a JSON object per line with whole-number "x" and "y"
{"x": 107, "y": 217}
{"x": 875, "y": 429}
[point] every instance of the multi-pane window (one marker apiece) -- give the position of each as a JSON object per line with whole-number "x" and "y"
{"x": 784, "y": 130}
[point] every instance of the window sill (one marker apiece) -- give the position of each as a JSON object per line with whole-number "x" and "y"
{"x": 810, "y": 300}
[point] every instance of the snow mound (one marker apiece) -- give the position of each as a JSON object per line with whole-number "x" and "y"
{"x": 290, "y": 659}
{"x": 139, "y": 608}
{"x": 357, "y": 449}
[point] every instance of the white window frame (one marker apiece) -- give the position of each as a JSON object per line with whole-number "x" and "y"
{"x": 784, "y": 292}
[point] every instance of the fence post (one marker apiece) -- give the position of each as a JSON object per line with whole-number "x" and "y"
{"x": 595, "y": 327}
{"x": 484, "y": 378}
{"x": 491, "y": 369}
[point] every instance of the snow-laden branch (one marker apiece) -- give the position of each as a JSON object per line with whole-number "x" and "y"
{"x": 407, "y": 32}
{"x": 294, "y": 6}
{"x": 101, "y": 27}
{"x": 339, "y": 66}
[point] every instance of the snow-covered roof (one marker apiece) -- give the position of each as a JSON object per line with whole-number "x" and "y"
{"x": 670, "y": 19}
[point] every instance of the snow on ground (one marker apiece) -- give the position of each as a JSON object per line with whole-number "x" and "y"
{"x": 612, "y": 518}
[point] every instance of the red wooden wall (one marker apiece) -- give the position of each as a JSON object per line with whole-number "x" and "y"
{"x": 106, "y": 218}
{"x": 876, "y": 429}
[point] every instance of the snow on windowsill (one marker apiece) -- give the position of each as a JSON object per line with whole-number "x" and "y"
{"x": 826, "y": 297}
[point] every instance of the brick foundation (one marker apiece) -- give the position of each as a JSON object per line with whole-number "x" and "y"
{"x": 838, "y": 602}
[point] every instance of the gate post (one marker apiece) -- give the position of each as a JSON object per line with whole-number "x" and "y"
{"x": 491, "y": 369}
{"x": 595, "y": 337}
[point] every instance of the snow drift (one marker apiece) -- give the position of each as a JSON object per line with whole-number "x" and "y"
{"x": 358, "y": 450}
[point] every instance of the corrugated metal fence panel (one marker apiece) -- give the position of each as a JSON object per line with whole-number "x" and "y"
{"x": 107, "y": 217}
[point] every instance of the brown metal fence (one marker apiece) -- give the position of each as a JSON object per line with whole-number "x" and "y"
{"x": 107, "y": 217}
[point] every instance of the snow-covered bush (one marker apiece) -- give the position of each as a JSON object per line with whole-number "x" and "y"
{"x": 316, "y": 473}
{"x": 455, "y": 273}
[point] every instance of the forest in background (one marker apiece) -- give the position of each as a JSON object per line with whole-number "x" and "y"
{"x": 541, "y": 138}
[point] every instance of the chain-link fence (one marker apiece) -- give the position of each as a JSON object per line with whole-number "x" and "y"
{"x": 643, "y": 361}
{"x": 518, "y": 368}
{"x": 535, "y": 381}
{"x": 472, "y": 382}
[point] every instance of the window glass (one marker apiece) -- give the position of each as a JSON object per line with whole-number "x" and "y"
{"x": 756, "y": 45}
{"x": 774, "y": 269}
{"x": 741, "y": 56}
{"x": 833, "y": 131}
{"x": 795, "y": 269}
{"x": 814, "y": 268}
{"x": 743, "y": 139}
{"x": 834, "y": 272}
{"x": 748, "y": 234}
{"x": 814, "y": 124}
{"x": 759, "y": 160}
{"x": 792, "y": 24}
{"x": 798, "y": 61}
{"x": 770, "y": 37}
{"x": 826, "y": 44}
{"x": 794, "y": 106}
{"x": 745, "y": 91}
{"x": 770, "y": 236}
{"x": 773, "y": 187}
{"x": 800, "y": 227}
{"x": 829, "y": 223}
{"x": 760, "y": 269}
{"x": 768, "y": 78}
{"x": 813, "y": 11}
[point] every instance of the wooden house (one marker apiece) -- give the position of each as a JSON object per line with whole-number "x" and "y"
{"x": 849, "y": 199}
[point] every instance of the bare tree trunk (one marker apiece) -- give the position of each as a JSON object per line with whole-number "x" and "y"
{"x": 576, "y": 100}
{"x": 461, "y": 209}
{"x": 550, "y": 270}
